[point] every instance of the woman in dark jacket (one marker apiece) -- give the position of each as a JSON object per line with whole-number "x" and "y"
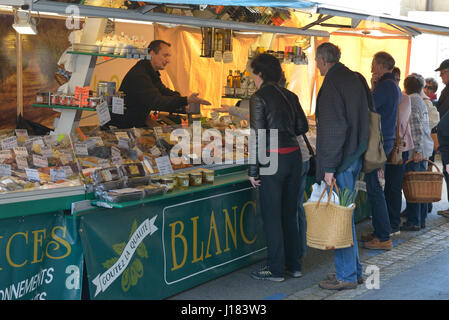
{"x": 276, "y": 119}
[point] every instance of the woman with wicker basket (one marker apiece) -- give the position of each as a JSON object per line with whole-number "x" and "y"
{"x": 423, "y": 147}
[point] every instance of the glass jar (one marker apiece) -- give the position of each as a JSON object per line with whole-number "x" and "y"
{"x": 183, "y": 181}
{"x": 195, "y": 178}
{"x": 42, "y": 97}
{"x": 55, "y": 99}
{"x": 208, "y": 176}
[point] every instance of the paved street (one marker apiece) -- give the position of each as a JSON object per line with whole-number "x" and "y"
{"x": 416, "y": 268}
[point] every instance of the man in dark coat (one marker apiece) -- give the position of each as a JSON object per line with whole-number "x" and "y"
{"x": 144, "y": 90}
{"x": 342, "y": 139}
{"x": 443, "y": 101}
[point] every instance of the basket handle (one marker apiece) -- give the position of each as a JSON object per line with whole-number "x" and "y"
{"x": 430, "y": 162}
{"x": 334, "y": 183}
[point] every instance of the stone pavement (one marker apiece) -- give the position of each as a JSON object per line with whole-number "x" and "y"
{"x": 426, "y": 244}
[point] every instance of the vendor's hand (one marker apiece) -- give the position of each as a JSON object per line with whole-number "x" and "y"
{"x": 329, "y": 177}
{"x": 417, "y": 157}
{"x": 224, "y": 108}
{"x": 447, "y": 168}
{"x": 254, "y": 182}
{"x": 193, "y": 98}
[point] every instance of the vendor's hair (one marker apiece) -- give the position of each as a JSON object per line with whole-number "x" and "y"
{"x": 329, "y": 52}
{"x": 268, "y": 65}
{"x": 385, "y": 59}
{"x": 413, "y": 84}
{"x": 433, "y": 84}
{"x": 155, "y": 45}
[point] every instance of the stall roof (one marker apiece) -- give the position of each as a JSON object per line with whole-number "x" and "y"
{"x": 255, "y": 3}
{"x": 103, "y": 12}
{"x": 411, "y": 26}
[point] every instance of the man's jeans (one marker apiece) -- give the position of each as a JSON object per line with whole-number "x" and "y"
{"x": 393, "y": 191}
{"x": 416, "y": 212}
{"x": 376, "y": 197}
{"x": 347, "y": 262}
{"x": 301, "y": 213}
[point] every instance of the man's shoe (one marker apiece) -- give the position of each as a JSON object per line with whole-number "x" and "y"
{"x": 404, "y": 213}
{"x": 294, "y": 274}
{"x": 333, "y": 276}
{"x": 376, "y": 244}
{"x": 337, "y": 285}
{"x": 265, "y": 274}
{"x": 409, "y": 227}
{"x": 367, "y": 237}
{"x": 443, "y": 213}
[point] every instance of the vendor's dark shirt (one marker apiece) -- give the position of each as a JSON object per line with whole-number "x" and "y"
{"x": 443, "y": 102}
{"x": 144, "y": 91}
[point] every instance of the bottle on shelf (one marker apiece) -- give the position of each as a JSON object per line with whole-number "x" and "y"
{"x": 229, "y": 79}
{"x": 236, "y": 80}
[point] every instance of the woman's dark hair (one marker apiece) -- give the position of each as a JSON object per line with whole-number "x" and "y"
{"x": 268, "y": 65}
{"x": 413, "y": 85}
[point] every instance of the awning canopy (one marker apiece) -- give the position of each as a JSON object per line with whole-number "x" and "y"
{"x": 251, "y": 3}
{"x": 413, "y": 27}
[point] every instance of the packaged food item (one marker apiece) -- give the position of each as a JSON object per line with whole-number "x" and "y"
{"x": 169, "y": 182}
{"x": 106, "y": 175}
{"x": 208, "y": 176}
{"x": 132, "y": 170}
{"x": 182, "y": 181}
{"x": 152, "y": 190}
{"x": 195, "y": 178}
{"x": 122, "y": 195}
{"x": 137, "y": 181}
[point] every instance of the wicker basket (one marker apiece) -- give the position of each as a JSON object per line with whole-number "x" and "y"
{"x": 424, "y": 186}
{"x": 329, "y": 226}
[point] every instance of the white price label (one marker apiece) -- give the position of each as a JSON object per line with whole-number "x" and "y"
{"x": 22, "y": 162}
{"x": 218, "y": 56}
{"x": 32, "y": 174}
{"x": 228, "y": 57}
{"x": 164, "y": 165}
{"x": 147, "y": 163}
{"x": 103, "y": 113}
{"x": 115, "y": 152}
{"x": 155, "y": 152}
{"x": 39, "y": 161}
{"x": 58, "y": 174}
{"x": 103, "y": 163}
{"x": 117, "y": 160}
{"x": 68, "y": 171}
{"x": 81, "y": 149}
{"x": 9, "y": 143}
{"x": 123, "y": 143}
{"x": 5, "y": 169}
{"x": 47, "y": 152}
{"x": 21, "y": 152}
{"x": 5, "y": 154}
{"x": 118, "y": 105}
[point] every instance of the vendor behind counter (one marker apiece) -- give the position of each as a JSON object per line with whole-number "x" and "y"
{"x": 144, "y": 90}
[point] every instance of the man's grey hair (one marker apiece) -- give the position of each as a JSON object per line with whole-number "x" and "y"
{"x": 385, "y": 59}
{"x": 329, "y": 52}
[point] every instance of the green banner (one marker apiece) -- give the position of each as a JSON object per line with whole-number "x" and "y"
{"x": 157, "y": 249}
{"x": 41, "y": 258}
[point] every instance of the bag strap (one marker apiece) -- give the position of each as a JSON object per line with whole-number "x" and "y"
{"x": 334, "y": 184}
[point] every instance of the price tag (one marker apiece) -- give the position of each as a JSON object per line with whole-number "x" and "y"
{"x": 9, "y": 143}
{"x": 121, "y": 134}
{"x": 147, "y": 163}
{"x": 117, "y": 160}
{"x": 32, "y": 174}
{"x": 228, "y": 57}
{"x": 47, "y": 152}
{"x": 21, "y": 152}
{"x": 103, "y": 113}
{"x": 58, "y": 174}
{"x": 5, "y": 169}
{"x": 123, "y": 143}
{"x": 65, "y": 157}
{"x": 82, "y": 94}
{"x": 5, "y": 154}
{"x": 117, "y": 105}
{"x": 115, "y": 152}
{"x": 39, "y": 161}
{"x": 68, "y": 171}
{"x": 103, "y": 163}
{"x": 22, "y": 163}
{"x": 81, "y": 149}
{"x": 164, "y": 165}
{"x": 155, "y": 151}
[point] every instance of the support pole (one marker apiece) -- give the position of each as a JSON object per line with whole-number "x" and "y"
{"x": 19, "y": 72}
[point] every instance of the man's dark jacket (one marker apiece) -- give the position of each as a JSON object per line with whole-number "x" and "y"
{"x": 144, "y": 91}
{"x": 443, "y": 138}
{"x": 270, "y": 110}
{"x": 443, "y": 102}
{"x": 342, "y": 121}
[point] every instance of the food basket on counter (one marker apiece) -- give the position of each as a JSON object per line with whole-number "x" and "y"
{"x": 424, "y": 186}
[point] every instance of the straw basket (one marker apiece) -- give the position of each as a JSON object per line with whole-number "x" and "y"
{"x": 424, "y": 186}
{"x": 329, "y": 226}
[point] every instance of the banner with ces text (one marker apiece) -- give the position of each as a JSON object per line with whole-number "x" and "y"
{"x": 41, "y": 258}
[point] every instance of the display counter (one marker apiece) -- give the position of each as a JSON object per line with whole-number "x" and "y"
{"x": 159, "y": 246}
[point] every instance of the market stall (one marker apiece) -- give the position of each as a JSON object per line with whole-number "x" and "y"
{"x": 148, "y": 226}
